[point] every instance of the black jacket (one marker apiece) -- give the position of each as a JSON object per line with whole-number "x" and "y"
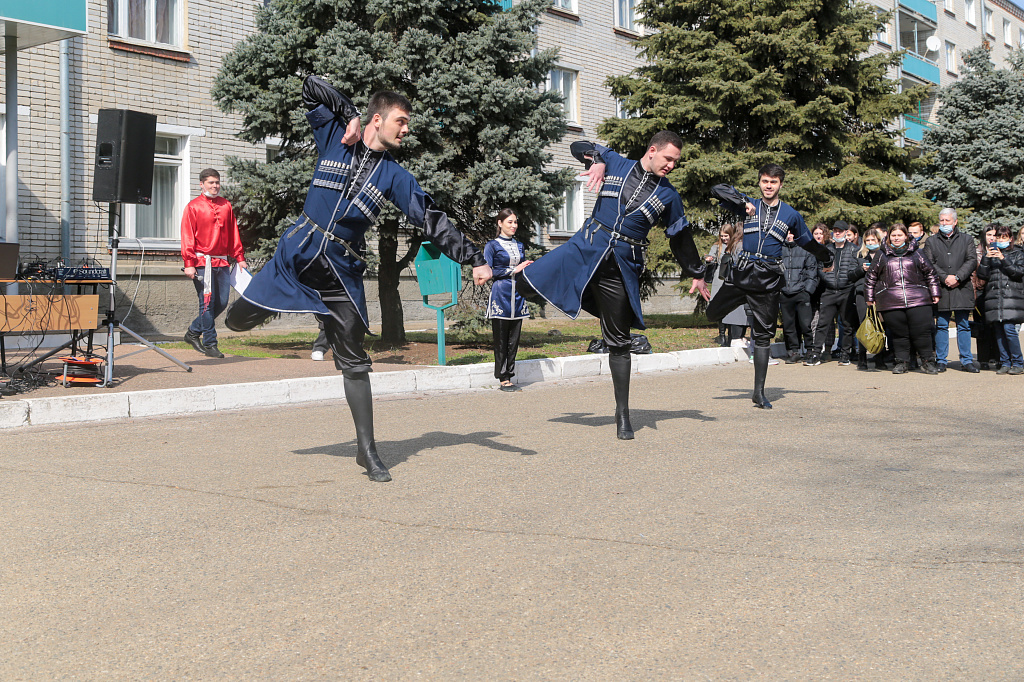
{"x": 846, "y": 269}
{"x": 801, "y": 269}
{"x": 953, "y": 254}
{"x": 1004, "y": 288}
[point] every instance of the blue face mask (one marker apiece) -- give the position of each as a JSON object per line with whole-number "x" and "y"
{"x": 1002, "y": 245}
{"x": 839, "y": 239}
{"x": 945, "y": 229}
{"x": 872, "y": 247}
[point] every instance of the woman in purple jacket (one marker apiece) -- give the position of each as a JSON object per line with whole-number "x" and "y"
{"x": 902, "y": 286}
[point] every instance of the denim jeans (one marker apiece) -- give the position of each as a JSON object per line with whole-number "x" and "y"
{"x": 1008, "y": 343}
{"x": 963, "y": 336}
{"x": 204, "y": 324}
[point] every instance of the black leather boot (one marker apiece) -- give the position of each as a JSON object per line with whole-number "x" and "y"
{"x": 360, "y": 400}
{"x": 761, "y": 358}
{"x": 620, "y": 368}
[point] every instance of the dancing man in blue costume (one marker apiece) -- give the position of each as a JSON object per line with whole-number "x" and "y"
{"x": 598, "y": 269}
{"x": 319, "y": 263}
{"x": 756, "y": 275}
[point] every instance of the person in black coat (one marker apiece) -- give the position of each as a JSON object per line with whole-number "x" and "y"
{"x": 1002, "y": 267}
{"x": 837, "y": 299}
{"x": 795, "y": 300}
{"x": 955, "y": 257}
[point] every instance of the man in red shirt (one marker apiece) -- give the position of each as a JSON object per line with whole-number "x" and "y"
{"x": 209, "y": 244}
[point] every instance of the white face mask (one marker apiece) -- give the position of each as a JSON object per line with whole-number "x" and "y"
{"x": 839, "y": 240}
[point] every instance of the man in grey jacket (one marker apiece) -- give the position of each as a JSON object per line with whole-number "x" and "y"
{"x": 955, "y": 257}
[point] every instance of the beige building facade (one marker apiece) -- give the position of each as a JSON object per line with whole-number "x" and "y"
{"x": 935, "y": 37}
{"x": 153, "y": 56}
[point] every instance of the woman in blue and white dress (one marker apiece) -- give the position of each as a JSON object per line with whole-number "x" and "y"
{"x": 506, "y": 309}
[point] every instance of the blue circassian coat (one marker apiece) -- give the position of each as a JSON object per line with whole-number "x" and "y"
{"x": 349, "y": 189}
{"x": 767, "y": 240}
{"x": 503, "y": 254}
{"x": 562, "y": 276}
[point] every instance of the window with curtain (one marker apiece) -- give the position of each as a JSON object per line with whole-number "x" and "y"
{"x": 564, "y": 81}
{"x": 950, "y": 57}
{"x": 570, "y": 216}
{"x": 162, "y": 219}
{"x": 152, "y": 21}
{"x": 625, "y": 14}
{"x": 969, "y": 12}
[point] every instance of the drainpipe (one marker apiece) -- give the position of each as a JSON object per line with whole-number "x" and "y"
{"x": 11, "y": 188}
{"x": 65, "y": 152}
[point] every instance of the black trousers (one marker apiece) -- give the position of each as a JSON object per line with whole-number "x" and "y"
{"x": 344, "y": 327}
{"x": 506, "y": 345}
{"x": 841, "y": 305}
{"x": 764, "y": 310}
{"x": 796, "y": 320}
{"x": 906, "y": 327}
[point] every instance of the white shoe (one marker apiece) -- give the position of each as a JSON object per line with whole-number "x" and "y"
{"x": 317, "y": 355}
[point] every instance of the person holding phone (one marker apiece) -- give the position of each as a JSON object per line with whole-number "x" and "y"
{"x": 1002, "y": 268}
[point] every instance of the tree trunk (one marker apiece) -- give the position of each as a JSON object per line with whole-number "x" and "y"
{"x": 392, "y": 319}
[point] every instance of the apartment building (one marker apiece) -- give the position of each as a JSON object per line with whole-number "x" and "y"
{"x": 595, "y": 40}
{"x": 935, "y": 36}
{"x": 155, "y": 56}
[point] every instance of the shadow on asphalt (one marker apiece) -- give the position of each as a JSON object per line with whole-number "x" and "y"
{"x": 393, "y": 452}
{"x": 772, "y": 394}
{"x": 638, "y": 418}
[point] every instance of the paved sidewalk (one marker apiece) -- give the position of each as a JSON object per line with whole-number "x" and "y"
{"x": 147, "y": 384}
{"x": 858, "y": 531}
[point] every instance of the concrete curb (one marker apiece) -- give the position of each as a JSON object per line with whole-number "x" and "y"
{"x": 179, "y": 401}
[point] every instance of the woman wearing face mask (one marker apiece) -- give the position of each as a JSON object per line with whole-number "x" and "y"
{"x": 1002, "y": 267}
{"x": 868, "y": 255}
{"x": 506, "y": 308}
{"x": 901, "y": 283}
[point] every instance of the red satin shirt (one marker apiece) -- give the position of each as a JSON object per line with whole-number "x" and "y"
{"x": 208, "y": 226}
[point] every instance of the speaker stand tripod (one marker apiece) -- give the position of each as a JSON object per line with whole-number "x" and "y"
{"x": 110, "y": 321}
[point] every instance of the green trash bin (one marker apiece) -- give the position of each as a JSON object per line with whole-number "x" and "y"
{"x": 437, "y": 275}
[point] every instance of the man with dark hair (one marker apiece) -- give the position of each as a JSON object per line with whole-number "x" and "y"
{"x": 319, "y": 263}
{"x": 756, "y": 276}
{"x": 838, "y": 298}
{"x": 209, "y": 244}
{"x": 598, "y": 269}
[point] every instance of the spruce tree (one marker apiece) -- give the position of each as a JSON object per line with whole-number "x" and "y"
{"x": 748, "y": 82}
{"x": 480, "y": 127}
{"x": 974, "y": 154}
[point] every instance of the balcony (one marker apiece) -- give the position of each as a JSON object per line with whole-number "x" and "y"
{"x": 919, "y": 67}
{"x": 923, "y": 7}
{"x": 915, "y": 127}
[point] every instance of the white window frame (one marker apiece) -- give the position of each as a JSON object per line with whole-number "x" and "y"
{"x": 1020, "y": 37}
{"x": 951, "y": 64}
{"x": 883, "y": 34}
{"x": 970, "y": 13}
{"x": 565, "y": 222}
{"x": 1007, "y": 33}
{"x": 622, "y": 112}
{"x": 948, "y": 6}
{"x": 626, "y": 23}
{"x": 565, "y": 5}
{"x": 571, "y": 100}
{"x": 121, "y": 30}
{"x": 182, "y": 195}
{"x": 987, "y": 16}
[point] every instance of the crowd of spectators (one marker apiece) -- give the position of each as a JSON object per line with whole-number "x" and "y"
{"x": 918, "y": 280}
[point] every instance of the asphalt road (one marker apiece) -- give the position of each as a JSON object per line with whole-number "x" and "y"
{"x": 869, "y": 527}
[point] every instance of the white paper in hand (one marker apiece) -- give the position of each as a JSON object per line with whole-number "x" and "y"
{"x": 240, "y": 278}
